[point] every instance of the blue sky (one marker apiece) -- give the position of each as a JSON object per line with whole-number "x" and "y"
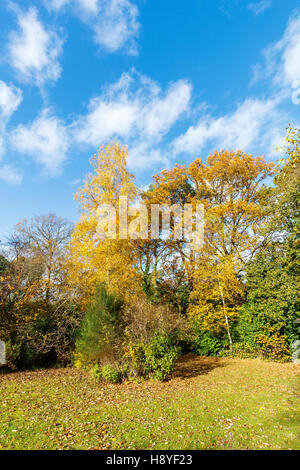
{"x": 172, "y": 79}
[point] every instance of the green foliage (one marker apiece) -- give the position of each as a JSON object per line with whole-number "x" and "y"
{"x": 272, "y": 301}
{"x": 160, "y": 357}
{"x": 207, "y": 344}
{"x": 12, "y": 352}
{"x": 4, "y": 264}
{"x": 242, "y": 351}
{"x": 101, "y": 330}
{"x": 266, "y": 322}
{"x": 156, "y": 359}
{"x": 95, "y": 372}
{"x": 110, "y": 374}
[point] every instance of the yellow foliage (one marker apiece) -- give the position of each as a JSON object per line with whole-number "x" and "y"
{"x": 216, "y": 296}
{"x": 110, "y": 261}
{"x": 80, "y": 361}
{"x": 273, "y": 347}
{"x": 292, "y": 151}
{"x": 132, "y": 353}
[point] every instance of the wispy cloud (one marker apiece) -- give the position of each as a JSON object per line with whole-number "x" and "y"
{"x": 134, "y": 110}
{"x": 45, "y": 140}
{"x": 243, "y": 129}
{"x": 10, "y": 175}
{"x": 137, "y": 111}
{"x": 10, "y": 99}
{"x": 282, "y": 62}
{"x": 117, "y": 26}
{"x": 114, "y": 23}
{"x": 255, "y": 123}
{"x": 259, "y": 7}
{"x": 34, "y": 49}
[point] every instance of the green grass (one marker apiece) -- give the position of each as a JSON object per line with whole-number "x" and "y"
{"x": 209, "y": 404}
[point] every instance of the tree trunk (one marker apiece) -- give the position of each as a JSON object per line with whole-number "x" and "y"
{"x": 225, "y": 315}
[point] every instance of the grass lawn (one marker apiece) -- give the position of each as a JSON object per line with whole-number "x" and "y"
{"x": 209, "y": 403}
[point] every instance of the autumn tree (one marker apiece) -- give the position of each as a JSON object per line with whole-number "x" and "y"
{"x": 37, "y": 316}
{"x": 19, "y": 285}
{"x": 104, "y": 260}
{"x": 42, "y": 243}
{"x": 166, "y": 255}
{"x": 229, "y": 185}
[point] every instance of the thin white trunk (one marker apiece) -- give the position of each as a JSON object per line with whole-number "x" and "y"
{"x": 225, "y": 315}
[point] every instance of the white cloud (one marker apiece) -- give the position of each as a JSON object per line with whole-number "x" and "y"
{"x": 2, "y": 145}
{"x": 135, "y": 110}
{"x": 259, "y": 7}
{"x": 117, "y": 25}
{"x": 282, "y": 61}
{"x": 163, "y": 112}
{"x": 114, "y": 23}
{"x": 142, "y": 156}
{"x": 135, "y": 106}
{"x": 273, "y": 140}
{"x": 105, "y": 120}
{"x": 45, "y": 140}
{"x": 10, "y": 99}
{"x": 56, "y": 4}
{"x": 34, "y": 50}
{"x": 256, "y": 124}
{"x": 83, "y": 6}
{"x": 240, "y": 130}
{"x": 10, "y": 175}
{"x": 290, "y": 46}
{"x": 90, "y": 6}
{"x": 296, "y": 93}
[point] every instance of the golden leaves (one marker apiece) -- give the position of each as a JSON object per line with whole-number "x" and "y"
{"x": 93, "y": 261}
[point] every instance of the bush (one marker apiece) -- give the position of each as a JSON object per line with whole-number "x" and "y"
{"x": 101, "y": 332}
{"x": 160, "y": 357}
{"x": 263, "y": 334}
{"x": 110, "y": 374}
{"x": 273, "y": 347}
{"x": 134, "y": 360}
{"x": 155, "y": 359}
{"x": 47, "y": 339}
{"x": 241, "y": 350}
{"x": 143, "y": 318}
{"x": 12, "y": 353}
{"x": 51, "y": 338}
{"x": 205, "y": 343}
{"x": 96, "y": 372}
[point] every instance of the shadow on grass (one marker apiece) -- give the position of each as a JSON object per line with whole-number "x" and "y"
{"x": 191, "y": 365}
